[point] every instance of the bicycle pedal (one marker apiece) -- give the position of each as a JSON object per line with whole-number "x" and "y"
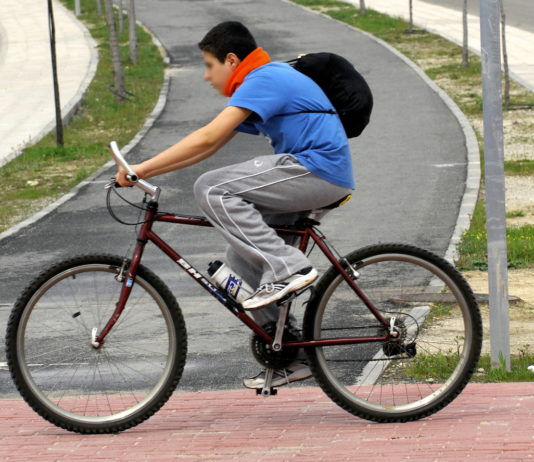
{"x": 290, "y": 297}
{"x": 265, "y": 392}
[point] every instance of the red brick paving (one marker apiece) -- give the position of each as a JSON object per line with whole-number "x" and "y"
{"x": 489, "y": 421}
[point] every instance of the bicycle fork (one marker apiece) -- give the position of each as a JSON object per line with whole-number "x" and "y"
{"x": 128, "y": 279}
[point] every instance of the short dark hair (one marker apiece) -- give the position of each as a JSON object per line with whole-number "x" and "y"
{"x": 228, "y": 37}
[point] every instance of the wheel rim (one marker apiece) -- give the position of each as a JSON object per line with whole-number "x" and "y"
{"x": 398, "y": 285}
{"x": 84, "y": 384}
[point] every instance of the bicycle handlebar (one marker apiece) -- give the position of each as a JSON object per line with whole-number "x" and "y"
{"x": 144, "y": 185}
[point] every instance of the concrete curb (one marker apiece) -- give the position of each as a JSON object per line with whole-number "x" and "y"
{"x": 69, "y": 109}
{"x": 158, "y": 108}
{"x": 472, "y": 183}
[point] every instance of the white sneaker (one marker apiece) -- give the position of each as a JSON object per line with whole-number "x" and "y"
{"x": 296, "y": 371}
{"x": 273, "y": 291}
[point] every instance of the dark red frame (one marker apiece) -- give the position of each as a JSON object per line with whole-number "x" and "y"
{"x": 146, "y": 234}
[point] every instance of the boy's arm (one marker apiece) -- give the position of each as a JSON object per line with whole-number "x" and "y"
{"x": 192, "y": 160}
{"x": 193, "y": 148}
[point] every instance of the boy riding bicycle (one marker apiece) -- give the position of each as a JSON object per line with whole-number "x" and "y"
{"x": 311, "y": 168}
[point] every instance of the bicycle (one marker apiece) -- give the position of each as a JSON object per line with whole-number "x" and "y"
{"x": 97, "y": 343}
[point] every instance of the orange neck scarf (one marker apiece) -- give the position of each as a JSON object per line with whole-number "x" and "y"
{"x": 257, "y": 58}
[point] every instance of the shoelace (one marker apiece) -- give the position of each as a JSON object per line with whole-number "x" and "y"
{"x": 267, "y": 287}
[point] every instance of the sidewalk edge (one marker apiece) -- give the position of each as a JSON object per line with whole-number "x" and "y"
{"x": 472, "y": 183}
{"x": 149, "y": 122}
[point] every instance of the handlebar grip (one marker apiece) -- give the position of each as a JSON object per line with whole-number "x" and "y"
{"x": 131, "y": 175}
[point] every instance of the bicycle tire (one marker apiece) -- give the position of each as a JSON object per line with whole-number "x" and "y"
{"x": 129, "y": 360}
{"x": 387, "y": 382}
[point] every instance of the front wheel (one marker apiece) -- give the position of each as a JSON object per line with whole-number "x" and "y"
{"x": 430, "y": 306}
{"x": 80, "y": 388}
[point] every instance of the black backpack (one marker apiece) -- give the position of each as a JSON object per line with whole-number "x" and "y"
{"x": 344, "y": 86}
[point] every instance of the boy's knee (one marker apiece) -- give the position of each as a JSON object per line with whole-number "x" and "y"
{"x": 201, "y": 186}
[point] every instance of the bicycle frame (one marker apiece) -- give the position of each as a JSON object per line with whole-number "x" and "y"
{"x": 305, "y": 233}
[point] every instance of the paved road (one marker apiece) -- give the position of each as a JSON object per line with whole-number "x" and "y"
{"x": 410, "y": 167}
{"x": 519, "y": 13}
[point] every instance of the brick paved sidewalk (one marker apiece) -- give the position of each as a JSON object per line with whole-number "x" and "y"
{"x": 493, "y": 421}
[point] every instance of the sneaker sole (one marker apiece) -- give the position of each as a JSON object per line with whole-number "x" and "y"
{"x": 280, "y": 381}
{"x": 291, "y": 287}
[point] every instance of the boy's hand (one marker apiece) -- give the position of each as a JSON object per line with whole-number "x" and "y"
{"x": 120, "y": 176}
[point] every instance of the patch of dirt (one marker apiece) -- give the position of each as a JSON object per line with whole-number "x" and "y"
{"x": 518, "y": 133}
{"x": 527, "y": 219}
{"x": 521, "y": 315}
{"x": 520, "y": 197}
{"x": 519, "y": 192}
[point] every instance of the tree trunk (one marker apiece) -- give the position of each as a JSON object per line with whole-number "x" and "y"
{"x": 410, "y": 28}
{"x": 505, "y": 58}
{"x": 363, "y": 9}
{"x": 133, "y": 31}
{"x": 115, "y": 52}
{"x": 465, "y": 49}
{"x": 57, "y": 103}
{"x": 99, "y": 7}
{"x": 121, "y": 19}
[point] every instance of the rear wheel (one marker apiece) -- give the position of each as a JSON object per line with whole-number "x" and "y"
{"x": 433, "y": 310}
{"x": 78, "y": 387}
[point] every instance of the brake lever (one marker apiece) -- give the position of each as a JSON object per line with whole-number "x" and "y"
{"x": 112, "y": 183}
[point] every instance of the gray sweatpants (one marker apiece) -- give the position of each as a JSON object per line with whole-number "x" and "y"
{"x": 241, "y": 199}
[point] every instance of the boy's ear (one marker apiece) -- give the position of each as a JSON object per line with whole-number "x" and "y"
{"x": 233, "y": 60}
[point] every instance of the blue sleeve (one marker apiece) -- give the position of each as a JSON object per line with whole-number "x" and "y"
{"x": 259, "y": 94}
{"x": 247, "y": 127}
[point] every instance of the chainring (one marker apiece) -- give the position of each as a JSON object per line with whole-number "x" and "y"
{"x": 269, "y": 358}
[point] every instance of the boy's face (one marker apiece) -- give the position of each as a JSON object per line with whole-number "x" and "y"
{"x": 217, "y": 73}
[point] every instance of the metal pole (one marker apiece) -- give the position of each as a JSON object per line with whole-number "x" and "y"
{"x": 52, "y": 31}
{"x": 77, "y": 8}
{"x": 495, "y": 190}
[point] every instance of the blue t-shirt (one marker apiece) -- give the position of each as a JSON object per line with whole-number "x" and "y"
{"x": 317, "y": 140}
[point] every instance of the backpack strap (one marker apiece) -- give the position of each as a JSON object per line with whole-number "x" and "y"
{"x": 330, "y": 111}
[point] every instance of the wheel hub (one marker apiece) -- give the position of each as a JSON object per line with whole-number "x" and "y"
{"x": 400, "y": 343}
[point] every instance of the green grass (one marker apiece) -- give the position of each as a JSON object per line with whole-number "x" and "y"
{"x": 53, "y": 170}
{"x": 439, "y": 367}
{"x": 473, "y": 247}
{"x": 438, "y": 312}
{"x": 519, "y": 167}
{"x": 515, "y": 214}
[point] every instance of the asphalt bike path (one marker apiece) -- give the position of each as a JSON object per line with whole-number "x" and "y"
{"x": 410, "y": 167}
